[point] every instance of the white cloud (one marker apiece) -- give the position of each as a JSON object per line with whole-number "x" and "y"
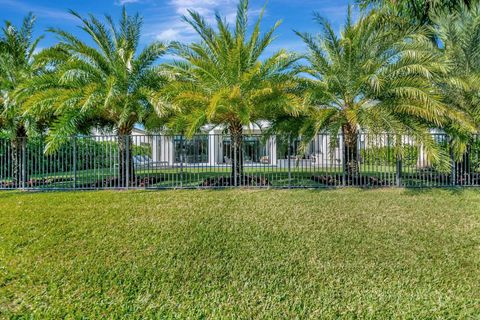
{"x": 204, "y": 7}
{"x": 169, "y": 34}
{"x": 171, "y": 27}
{"x": 39, "y": 11}
{"x": 123, "y": 2}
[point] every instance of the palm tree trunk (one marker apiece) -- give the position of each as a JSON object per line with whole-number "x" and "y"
{"x": 126, "y": 170}
{"x": 17, "y": 144}
{"x": 236, "y": 135}
{"x": 350, "y": 154}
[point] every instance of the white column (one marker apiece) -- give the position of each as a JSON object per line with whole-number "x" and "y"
{"x": 318, "y": 149}
{"x": 167, "y": 152}
{"x": 339, "y": 152}
{"x": 212, "y": 155}
{"x": 272, "y": 150}
{"x": 156, "y": 152}
{"x": 422, "y": 160}
{"x": 219, "y": 149}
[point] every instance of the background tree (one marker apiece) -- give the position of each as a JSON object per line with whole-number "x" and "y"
{"x": 104, "y": 85}
{"x": 459, "y": 40}
{"x": 417, "y": 11}
{"x": 375, "y": 77}
{"x": 17, "y": 66}
{"x": 226, "y": 79}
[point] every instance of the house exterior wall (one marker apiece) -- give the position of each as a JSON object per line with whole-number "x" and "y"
{"x": 139, "y": 137}
{"x": 318, "y": 153}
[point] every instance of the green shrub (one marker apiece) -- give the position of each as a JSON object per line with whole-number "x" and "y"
{"x": 90, "y": 154}
{"x": 142, "y": 150}
{"x": 386, "y": 155}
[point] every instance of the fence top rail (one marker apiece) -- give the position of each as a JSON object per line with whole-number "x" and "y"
{"x": 362, "y": 133}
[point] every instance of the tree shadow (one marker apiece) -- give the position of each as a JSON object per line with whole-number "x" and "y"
{"x": 431, "y": 190}
{"x": 8, "y": 194}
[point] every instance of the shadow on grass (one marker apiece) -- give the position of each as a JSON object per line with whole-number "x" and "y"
{"x": 409, "y": 191}
{"x": 8, "y": 194}
{"x": 430, "y": 190}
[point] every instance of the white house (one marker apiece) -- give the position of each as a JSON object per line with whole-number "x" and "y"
{"x": 213, "y": 148}
{"x": 139, "y": 136}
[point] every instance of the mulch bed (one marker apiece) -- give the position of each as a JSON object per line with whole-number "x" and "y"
{"x": 228, "y": 181}
{"x": 113, "y": 182}
{"x": 35, "y": 182}
{"x": 337, "y": 180}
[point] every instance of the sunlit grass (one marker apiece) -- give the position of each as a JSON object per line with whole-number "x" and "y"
{"x": 240, "y": 254}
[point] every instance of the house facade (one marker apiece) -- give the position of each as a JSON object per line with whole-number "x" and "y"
{"x": 214, "y": 148}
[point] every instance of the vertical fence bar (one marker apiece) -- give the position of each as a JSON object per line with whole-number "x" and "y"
{"x": 399, "y": 167}
{"x": 289, "y": 161}
{"x": 23, "y": 170}
{"x": 74, "y": 162}
{"x": 453, "y": 172}
{"x": 343, "y": 160}
{"x": 127, "y": 161}
{"x": 398, "y": 161}
{"x": 182, "y": 157}
{"x": 235, "y": 163}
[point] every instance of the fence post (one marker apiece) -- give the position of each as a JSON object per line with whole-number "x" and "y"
{"x": 398, "y": 162}
{"x": 399, "y": 170}
{"x": 289, "y": 164}
{"x": 235, "y": 163}
{"x": 181, "y": 160}
{"x": 74, "y": 161}
{"x": 127, "y": 158}
{"x": 23, "y": 169}
{"x": 344, "y": 164}
{"x": 453, "y": 173}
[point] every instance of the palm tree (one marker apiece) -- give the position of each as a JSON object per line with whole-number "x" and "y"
{"x": 17, "y": 65}
{"x": 106, "y": 84}
{"x": 418, "y": 11}
{"x": 459, "y": 36}
{"x": 227, "y": 79}
{"x": 376, "y": 76}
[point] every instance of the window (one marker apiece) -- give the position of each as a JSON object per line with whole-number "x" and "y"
{"x": 253, "y": 149}
{"x": 294, "y": 150}
{"x": 191, "y": 151}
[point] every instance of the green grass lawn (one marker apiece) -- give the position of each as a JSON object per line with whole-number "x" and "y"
{"x": 240, "y": 254}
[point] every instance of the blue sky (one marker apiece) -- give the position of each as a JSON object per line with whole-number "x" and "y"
{"x": 162, "y": 17}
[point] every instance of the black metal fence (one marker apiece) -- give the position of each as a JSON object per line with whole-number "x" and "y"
{"x": 216, "y": 161}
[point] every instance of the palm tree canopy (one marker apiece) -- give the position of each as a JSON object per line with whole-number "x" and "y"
{"x": 104, "y": 84}
{"x": 377, "y": 75}
{"x": 459, "y": 37}
{"x": 418, "y": 11}
{"x": 458, "y": 34}
{"x": 17, "y": 65}
{"x": 227, "y": 77}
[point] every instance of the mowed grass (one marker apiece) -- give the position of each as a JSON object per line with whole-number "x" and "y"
{"x": 240, "y": 254}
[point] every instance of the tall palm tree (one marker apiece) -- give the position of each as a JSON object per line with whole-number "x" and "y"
{"x": 375, "y": 76}
{"x": 17, "y": 66}
{"x": 105, "y": 84}
{"x": 459, "y": 38}
{"x": 227, "y": 79}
